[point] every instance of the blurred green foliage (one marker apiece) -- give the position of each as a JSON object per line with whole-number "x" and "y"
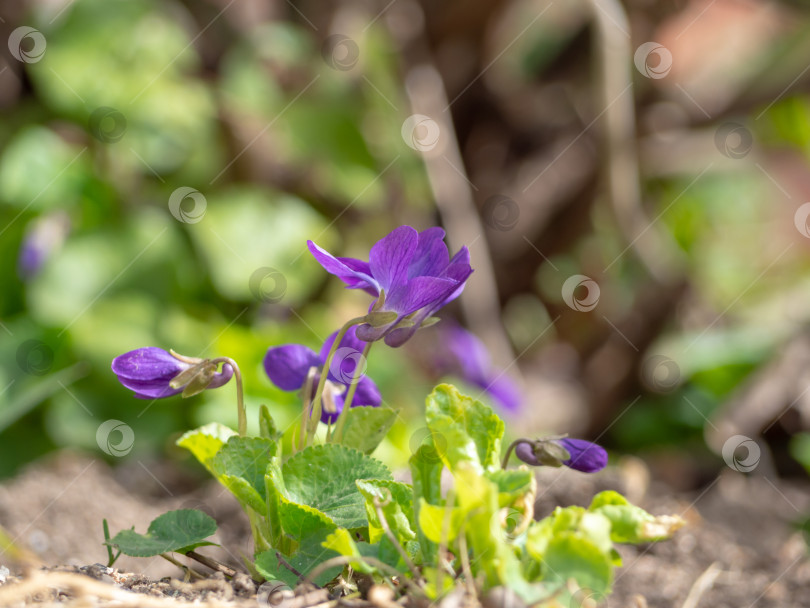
{"x": 119, "y": 115}
{"x": 129, "y": 103}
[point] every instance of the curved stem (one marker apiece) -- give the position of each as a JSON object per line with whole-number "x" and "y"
{"x": 315, "y": 414}
{"x": 305, "y": 398}
{"x": 347, "y": 402}
{"x": 511, "y": 447}
{"x": 240, "y": 398}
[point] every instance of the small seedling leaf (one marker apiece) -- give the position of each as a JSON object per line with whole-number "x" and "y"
{"x": 367, "y": 426}
{"x": 179, "y": 531}
{"x": 469, "y": 430}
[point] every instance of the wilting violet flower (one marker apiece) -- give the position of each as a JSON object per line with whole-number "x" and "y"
{"x": 462, "y": 354}
{"x": 576, "y": 454}
{"x": 148, "y": 371}
{"x": 415, "y": 271}
{"x": 289, "y": 366}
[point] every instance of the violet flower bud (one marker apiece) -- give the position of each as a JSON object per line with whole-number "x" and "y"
{"x": 576, "y": 454}
{"x": 149, "y": 372}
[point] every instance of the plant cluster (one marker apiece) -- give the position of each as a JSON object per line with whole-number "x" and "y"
{"x": 329, "y": 512}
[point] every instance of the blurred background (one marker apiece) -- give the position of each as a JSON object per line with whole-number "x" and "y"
{"x": 631, "y": 179}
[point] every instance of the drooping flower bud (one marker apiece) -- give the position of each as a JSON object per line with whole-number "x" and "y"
{"x": 576, "y": 454}
{"x": 153, "y": 373}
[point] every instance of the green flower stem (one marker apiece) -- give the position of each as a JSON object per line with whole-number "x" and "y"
{"x": 315, "y": 416}
{"x": 240, "y": 398}
{"x": 307, "y": 391}
{"x": 511, "y": 447}
{"x": 256, "y": 531}
{"x": 347, "y": 402}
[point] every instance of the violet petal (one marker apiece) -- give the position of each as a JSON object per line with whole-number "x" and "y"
{"x": 585, "y": 456}
{"x": 390, "y": 257}
{"x": 287, "y": 366}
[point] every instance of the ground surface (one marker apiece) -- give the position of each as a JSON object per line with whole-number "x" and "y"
{"x": 738, "y": 550}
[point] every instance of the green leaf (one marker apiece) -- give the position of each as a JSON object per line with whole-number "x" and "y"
{"x": 367, "y": 426}
{"x": 310, "y": 529}
{"x": 246, "y": 457}
{"x": 632, "y": 524}
{"x": 341, "y": 542}
{"x": 432, "y": 521}
{"x": 573, "y": 555}
{"x": 397, "y": 499}
{"x": 593, "y": 526}
{"x": 179, "y": 531}
{"x": 267, "y": 426}
{"x": 239, "y": 465}
{"x": 511, "y": 484}
{"x": 478, "y": 500}
{"x": 206, "y": 441}
{"x": 464, "y": 430}
{"x": 426, "y": 472}
{"x": 323, "y": 476}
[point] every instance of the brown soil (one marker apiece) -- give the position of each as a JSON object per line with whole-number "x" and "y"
{"x": 739, "y": 548}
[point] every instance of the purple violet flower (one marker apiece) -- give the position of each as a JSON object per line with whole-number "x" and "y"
{"x": 461, "y": 353}
{"x": 415, "y": 271}
{"x": 579, "y": 454}
{"x": 148, "y": 372}
{"x": 288, "y": 367}
{"x": 42, "y": 239}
